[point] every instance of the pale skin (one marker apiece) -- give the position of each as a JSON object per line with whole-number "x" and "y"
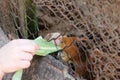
{"x": 16, "y": 55}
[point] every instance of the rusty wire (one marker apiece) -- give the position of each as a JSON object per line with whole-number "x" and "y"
{"x": 102, "y": 43}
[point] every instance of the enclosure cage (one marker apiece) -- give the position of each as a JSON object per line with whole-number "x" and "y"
{"x": 90, "y": 31}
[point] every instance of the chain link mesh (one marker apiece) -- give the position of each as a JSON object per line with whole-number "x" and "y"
{"x": 93, "y": 27}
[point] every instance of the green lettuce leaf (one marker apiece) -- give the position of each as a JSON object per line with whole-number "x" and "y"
{"x": 45, "y": 47}
{"x": 17, "y": 75}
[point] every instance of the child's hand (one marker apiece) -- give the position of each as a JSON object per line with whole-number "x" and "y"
{"x": 16, "y": 55}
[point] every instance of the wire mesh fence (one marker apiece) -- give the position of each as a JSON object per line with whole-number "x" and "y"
{"x": 89, "y": 32}
{"x": 17, "y": 18}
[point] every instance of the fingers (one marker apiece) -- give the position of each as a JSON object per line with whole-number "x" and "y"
{"x": 17, "y": 54}
{"x": 24, "y": 64}
{"x": 25, "y": 45}
{"x": 30, "y": 43}
{"x": 28, "y": 48}
{"x": 25, "y": 59}
{"x": 25, "y": 56}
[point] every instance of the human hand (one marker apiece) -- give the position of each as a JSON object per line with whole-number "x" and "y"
{"x": 16, "y": 55}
